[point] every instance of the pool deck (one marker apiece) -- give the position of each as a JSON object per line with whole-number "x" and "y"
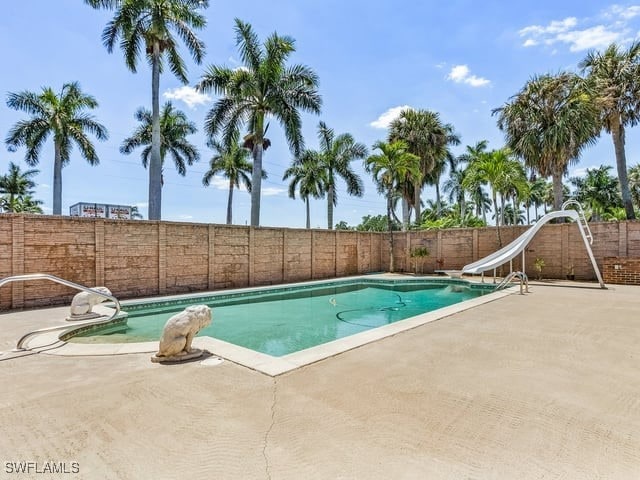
{"x": 545, "y": 385}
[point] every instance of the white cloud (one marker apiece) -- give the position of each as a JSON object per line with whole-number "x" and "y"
{"x": 185, "y": 217}
{"x": 594, "y": 37}
{"x": 220, "y": 183}
{"x": 624, "y": 13}
{"x": 188, "y": 95}
{"x": 462, "y": 74}
{"x": 610, "y": 26}
{"x": 384, "y": 120}
{"x": 142, "y": 204}
{"x": 272, "y": 191}
{"x": 44, "y": 185}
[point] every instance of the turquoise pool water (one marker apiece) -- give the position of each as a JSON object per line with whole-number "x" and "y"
{"x": 285, "y": 320}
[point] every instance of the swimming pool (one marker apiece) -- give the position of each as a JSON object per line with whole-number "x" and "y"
{"x": 279, "y": 321}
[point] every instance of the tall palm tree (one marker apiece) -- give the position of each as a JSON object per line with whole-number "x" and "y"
{"x": 335, "y": 156}
{"x": 174, "y": 128}
{"x": 615, "y": 77}
{"x": 427, "y": 137}
{"x": 153, "y": 25}
{"x": 309, "y": 176}
{"x": 16, "y": 184}
{"x": 263, "y": 87}
{"x": 548, "y": 123}
{"x": 634, "y": 184}
{"x": 64, "y": 117}
{"x": 390, "y": 168}
{"x": 232, "y": 163}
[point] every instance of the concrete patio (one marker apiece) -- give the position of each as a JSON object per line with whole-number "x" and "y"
{"x": 545, "y": 385}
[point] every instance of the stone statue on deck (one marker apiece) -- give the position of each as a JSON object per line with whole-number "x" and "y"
{"x": 83, "y": 303}
{"x": 178, "y": 333}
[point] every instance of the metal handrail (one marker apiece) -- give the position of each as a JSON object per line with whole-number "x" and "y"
{"x": 62, "y": 281}
{"x": 524, "y": 282}
{"x": 582, "y": 217}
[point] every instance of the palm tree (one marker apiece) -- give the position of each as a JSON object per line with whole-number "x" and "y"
{"x": 390, "y": 168}
{"x": 428, "y": 138}
{"x": 16, "y": 185}
{"x": 598, "y": 191}
{"x": 335, "y": 156}
{"x": 232, "y": 163}
{"x": 153, "y": 24}
{"x": 502, "y": 173}
{"x": 634, "y": 184}
{"x": 264, "y": 86}
{"x": 174, "y": 128}
{"x": 454, "y": 187}
{"x": 548, "y": 123}
{"x": 615, "y": 77}
{"x": 22, "y": 204}
{"x": 309, "y": 177}
{"x": 64, "y": 117}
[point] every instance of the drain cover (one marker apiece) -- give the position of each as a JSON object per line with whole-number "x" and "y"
{"x": 212, "y": 361}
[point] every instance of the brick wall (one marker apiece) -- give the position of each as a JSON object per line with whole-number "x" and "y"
{"x": 143, "y": 258}
{"x": 620, "y": 270}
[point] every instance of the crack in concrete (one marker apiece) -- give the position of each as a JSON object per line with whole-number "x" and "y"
{"x": 266, "y": 435}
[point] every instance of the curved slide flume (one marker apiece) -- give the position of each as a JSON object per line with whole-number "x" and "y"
{"x": 510, "y": 251}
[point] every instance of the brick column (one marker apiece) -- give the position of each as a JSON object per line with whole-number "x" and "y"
{"x": 313, "y": 262}
{"x": 212, "y": 258}
{"x": 475, "y": 245}
{"x": 162, "y": 258}
{"x": 623, "y": 234}
{"x": 284, "y": 255}
{"x": 335, "y": 253}
{"x": 99, "y": 252}
{"x": 17, "y": 260}
{"x": 564, "y": 249}
{"x": 251, "y": 257}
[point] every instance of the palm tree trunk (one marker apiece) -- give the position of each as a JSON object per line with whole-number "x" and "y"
{"x": 438, "y": 199}
{"x": 256, "y": 174}
{"x": 557, "y": 190}
{"x": 330, "y": 202}
{"x": 405, "y": 214}
{"x": 417, "y": 201}
{"x": 617, "y": 132}
{"x": 155, "y": 162}
{"x": 57, "y": 180}
{"x": 306, "y": 201}
{"x": 389, "y": 225}
{"x": 230, "y": 203}
{"x": 495, "y": 206}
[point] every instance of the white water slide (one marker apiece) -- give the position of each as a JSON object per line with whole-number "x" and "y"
{"x": 518, "y": 246}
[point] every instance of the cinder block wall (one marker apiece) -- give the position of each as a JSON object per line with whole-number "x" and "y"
{"x": 144, "y": 258}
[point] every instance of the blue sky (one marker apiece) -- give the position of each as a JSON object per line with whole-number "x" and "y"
{"x": 459, "y": 58}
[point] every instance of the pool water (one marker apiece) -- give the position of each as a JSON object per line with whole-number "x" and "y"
{"x": 282, "y": 321}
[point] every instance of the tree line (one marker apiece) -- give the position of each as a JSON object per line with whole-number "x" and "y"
{"x": 547, "y": 126}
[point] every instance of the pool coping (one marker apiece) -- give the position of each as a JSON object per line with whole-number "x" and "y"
{"x": 50, "y": 343}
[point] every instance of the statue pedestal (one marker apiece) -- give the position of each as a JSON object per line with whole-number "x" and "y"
{"x": 84, "y": 316}
{"x": 195, "y": 353}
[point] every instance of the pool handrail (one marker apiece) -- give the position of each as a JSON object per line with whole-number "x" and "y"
{"x": 62, "y": 281}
